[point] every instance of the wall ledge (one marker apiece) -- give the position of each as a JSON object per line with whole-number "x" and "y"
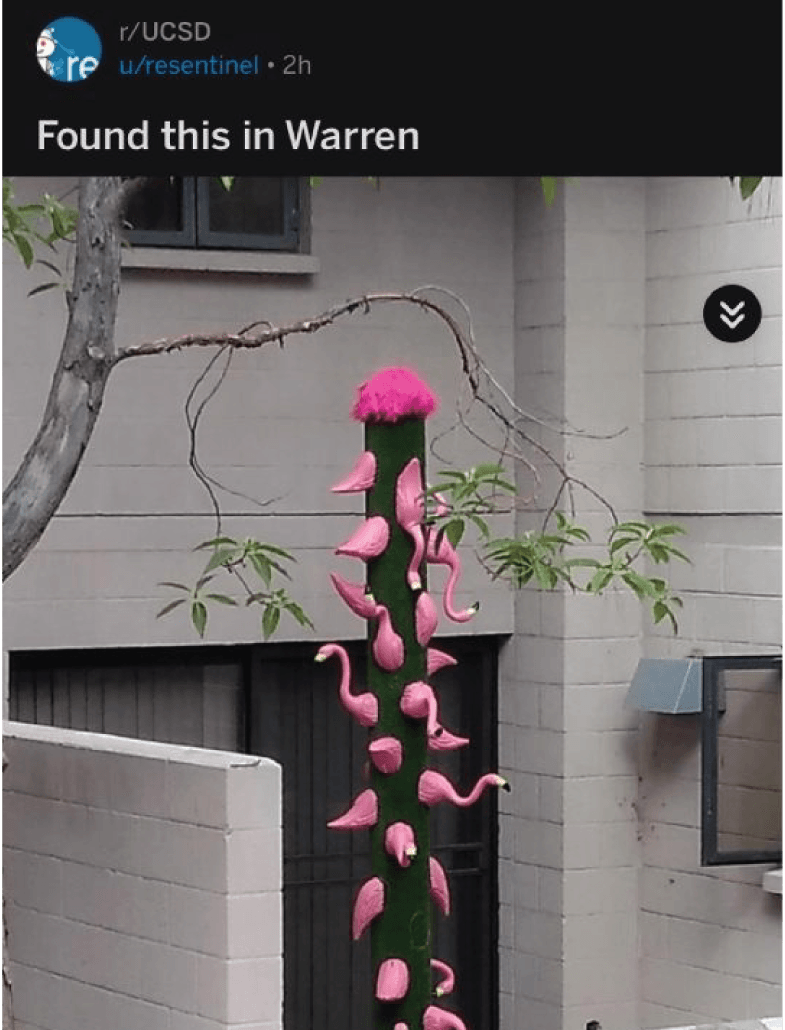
{"x": 253, "y": 262}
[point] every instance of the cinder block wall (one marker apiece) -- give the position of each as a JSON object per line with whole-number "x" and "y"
{"x": 279, "y": 430}
{"x": 142, "y": 884}
{"x": 569, "y": 866}
{"x": 710, "y": 937}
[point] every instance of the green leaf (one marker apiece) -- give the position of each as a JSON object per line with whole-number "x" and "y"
{"x": 600, "y": 580}
{"x": 199, "y": 617}
{"x": 548, "y": 183}
{"x": 659, "y": 610}
{"x": 297, "y": 612}
{"x": 25, "y": 250}
{"x": 634, "y": 528}
{"x": 223, "y": 556}
{"x": 170, "y": 607}
{"x": 262, "y": 567}
{"x": 222, "y": 599}
{"x": 622, "y": 541}
{"x": 217, "y": 541}
{"x": 748, "y": 184}
{"x": 227, "y": 181}
{"x": 667, "y": 529}
{"x": 454, "y": 531}
{"x": 582, "y": 563}
{"x": 177, "y": 586}
{"x": 480, "y": 523}
{"x": 270, "y": 620}
{"x": 635, "y": 580}
{"x": 272, "y": 549}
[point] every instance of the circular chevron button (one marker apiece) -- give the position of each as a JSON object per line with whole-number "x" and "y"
{"x": 732, "y": 314}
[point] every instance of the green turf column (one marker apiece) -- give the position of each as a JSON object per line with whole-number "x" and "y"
{"x": 403, "y": 930}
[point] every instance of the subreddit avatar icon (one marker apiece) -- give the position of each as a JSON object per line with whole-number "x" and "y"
{"x": 68, "y": 49}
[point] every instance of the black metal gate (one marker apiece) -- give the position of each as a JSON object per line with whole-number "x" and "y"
{"x": 273, "y": 700}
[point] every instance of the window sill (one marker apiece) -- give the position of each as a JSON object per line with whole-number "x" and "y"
{"x": 772, "y": 881}
{"x": 248, "y": 262}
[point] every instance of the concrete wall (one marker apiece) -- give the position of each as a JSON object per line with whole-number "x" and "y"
{"x": 280, "y": 428}
{"x": 710, "y": 938}
{"x": 569, "y": 832}
{"x": 142, "y": 884}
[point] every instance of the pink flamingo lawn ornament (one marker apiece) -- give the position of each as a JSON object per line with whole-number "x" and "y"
{"x": 368, "y": 541}
{"x": 437, "y": 659}
{"x": 386, "y": 753}
{"x": 355, "y": 596}
{"x": 409, "y": 513}
{"x": 395, "y": 541}
{"x": 426, "y": 618}
{"x": 437, "y": 885}
{"x": 387, "y": 645}
{"x": 433, "y": 787}
{"x": 435, "y": 1018}
{"x": 363, "y": 814}
{"x": 399, "y": 842}
{"x": 446, "y": 741}
{"x": 392, "y": 981}
{"x": 445, "y": 554}
{"x": 418, "y": 701}
{"x": 364, "y": 707}
{"x": 447, "y": 983}
{"x": 367, "y": 905}
{"x": 362, "y": 476}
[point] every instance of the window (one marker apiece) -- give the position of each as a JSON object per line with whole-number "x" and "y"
{"x": 255, "y": 214}
{"x": 741, "y": 794}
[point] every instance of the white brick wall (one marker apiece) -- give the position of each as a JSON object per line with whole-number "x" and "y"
{"x": 710, "y": 938}
{"x": 142, "y": 884}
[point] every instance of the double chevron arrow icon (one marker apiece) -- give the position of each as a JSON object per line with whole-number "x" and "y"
{"x": 728, "y": 319}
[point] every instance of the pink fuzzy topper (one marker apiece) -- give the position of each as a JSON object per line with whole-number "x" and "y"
{"x": 393, "y": 394}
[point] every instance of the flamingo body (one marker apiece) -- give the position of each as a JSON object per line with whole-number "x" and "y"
{"x": 399, "y": 842}
{"x": 435, "y": 1018}
{"x": 392, "y": 980}
{"x": 368, "y": 541}
{"x": 433, "y": 787}
{"x": 438, "y": 660}
{"x": 426, "y": 618}
{"x": 386, "y": 754}
{"x": 387, "y": 645}
{"x": 437, "y": 885}
{"x": 418, "y": 701}
{"x": 368, "y": 904}
{"x": 355, "y": 596}
{"x": 445, "y": 554}
{"x": 409, "y": 513}
{"x": 363, "y": 814}
{"x": 364, "y": 707}
{"x": 362, "y": 476}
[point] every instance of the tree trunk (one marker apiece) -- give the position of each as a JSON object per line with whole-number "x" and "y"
{"x": 47, "y": 469}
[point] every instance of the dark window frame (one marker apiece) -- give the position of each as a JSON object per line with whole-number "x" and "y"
{"x": 197, "y": 235}
{"x": 712, "y": 709}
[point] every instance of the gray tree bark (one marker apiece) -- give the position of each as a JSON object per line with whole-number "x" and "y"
{"x": 50, "y": 464}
